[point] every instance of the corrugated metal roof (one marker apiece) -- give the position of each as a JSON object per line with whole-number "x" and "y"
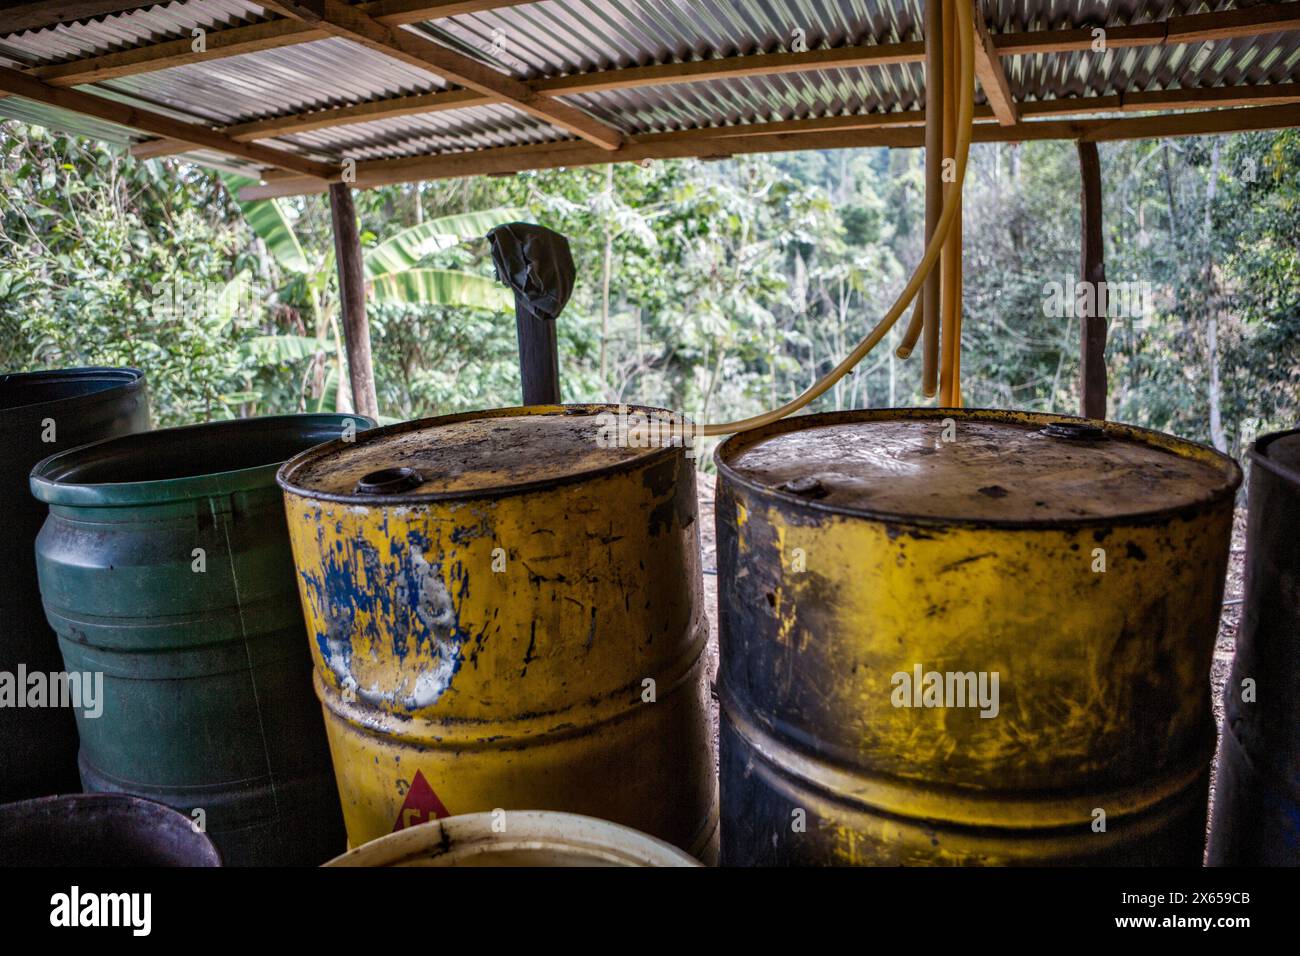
{"x": 478, "y": 128}
{"x": 164, "y": 21}
{"x": 554, "y": 38}
{"x": 816, "y": 94}
{"x": 1271, "y": 58}
{"x": 251, "y": 86}
{"x": 40, "y": 114}
{"x": 559, "y": 37}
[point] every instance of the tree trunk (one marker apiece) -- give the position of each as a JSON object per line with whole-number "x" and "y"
{"x": 1217, "y": 436}
{"x": 604, "y": 276}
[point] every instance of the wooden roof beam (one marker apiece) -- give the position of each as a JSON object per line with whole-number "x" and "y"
{"x": 351, "y": 23}
{"x": 1276, "y": 94}
{"x": 20, "y": 84}
{"x": 513, "y": 159}
{"x": 988, "y": 69}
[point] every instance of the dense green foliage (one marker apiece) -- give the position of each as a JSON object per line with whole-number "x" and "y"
{"x": 718, "y": 289}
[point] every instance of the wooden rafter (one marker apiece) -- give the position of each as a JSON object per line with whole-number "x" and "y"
{"x": 988, "y": 69}
{"x": 20, "y": 84}
{"x": 511, "y": 159}
{"x": 350, "y": 23}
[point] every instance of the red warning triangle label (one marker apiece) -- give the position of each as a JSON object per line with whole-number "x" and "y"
{"x": 420, "y": 806}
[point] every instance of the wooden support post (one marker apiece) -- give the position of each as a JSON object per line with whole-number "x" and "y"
{"x": 352, "y": 296}
{"x": 1092, "y": 325}
{"x": 539, "y": 358}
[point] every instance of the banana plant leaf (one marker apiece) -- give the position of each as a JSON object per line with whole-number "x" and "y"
{"x": 406, "y": 248}
{"x": 267, "y": 218}
{"x": 442, "y": 287}
{"x": 286, "y": 348}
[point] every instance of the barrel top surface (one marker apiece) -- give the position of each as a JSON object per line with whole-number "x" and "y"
{"x": 994, "y": 467}
{"x": 182, "y": 464}
{"x": 468, "y": 455}
{"x": 1282, "y": 450}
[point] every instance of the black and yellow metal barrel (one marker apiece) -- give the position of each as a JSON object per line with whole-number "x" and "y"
{"x": 505, "y": 613}
{"x": 1257, "y": 790}
{"x": 967, "y": 637}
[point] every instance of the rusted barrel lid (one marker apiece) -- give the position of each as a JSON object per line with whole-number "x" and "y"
{"x": 481, "y": 454}
{"x": 979, "y": 466}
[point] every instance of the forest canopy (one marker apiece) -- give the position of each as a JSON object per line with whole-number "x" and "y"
{"x": 718, "y": 289}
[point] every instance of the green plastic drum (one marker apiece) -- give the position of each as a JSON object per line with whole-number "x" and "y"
{"x": 165, "y": 567}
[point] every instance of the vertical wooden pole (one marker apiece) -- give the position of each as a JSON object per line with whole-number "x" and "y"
{"x": 539, "y": 358}
{"x": 1092, "y": 326}
{"x": 933, "y": 26}
{"x": 352, "y": 296}
{"x": 950, "y": 276}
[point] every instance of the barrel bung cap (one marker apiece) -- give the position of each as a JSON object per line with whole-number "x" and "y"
{"x": 979, "y": 466}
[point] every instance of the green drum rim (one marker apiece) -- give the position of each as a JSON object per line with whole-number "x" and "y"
{"x": 84, "y": 477}
{"x": 108, "y": 383}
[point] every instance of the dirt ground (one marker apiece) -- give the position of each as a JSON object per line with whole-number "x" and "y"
{"x": 1222, "y": 651}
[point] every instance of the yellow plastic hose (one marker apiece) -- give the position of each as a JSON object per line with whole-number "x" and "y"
{"x": 965, "y": 126}
{"x": 913, "y": 330}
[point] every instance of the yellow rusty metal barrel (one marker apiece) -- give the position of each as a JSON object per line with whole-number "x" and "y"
{"x": 505, "y": 614}
{"x": 516, "y": 838}
{"x": 967, "y": 637}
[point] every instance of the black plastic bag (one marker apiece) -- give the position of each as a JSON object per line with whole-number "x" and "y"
{"x": 537, "y": 264}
